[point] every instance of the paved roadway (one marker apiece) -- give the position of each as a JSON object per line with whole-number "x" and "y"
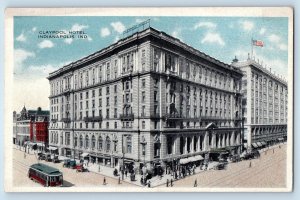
{"x": 269, "y": 171}
{"x": 71, "y": 177}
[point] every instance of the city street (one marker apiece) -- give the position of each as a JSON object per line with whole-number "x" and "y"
{"x": 269, "y": 171}
{"x": 71, "y": 177}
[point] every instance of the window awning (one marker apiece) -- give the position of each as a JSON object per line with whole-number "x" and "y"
{"x": 40, "y": 144}
{"x": 254, "y": 145}
{"x": 84, "y": 154}
{"x": 263, "y": 143}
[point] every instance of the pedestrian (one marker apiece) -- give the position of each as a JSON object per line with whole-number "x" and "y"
{"x": 149, "y": 184}
{"x": 142, "y": 181}
{"x": 126, "y": 173}
{"x": 119, "y": 182}
{"x": 99, "y": 168}
{"x": 273, "y": 150}
{"x": 195, "y": 184}
{"x": 24, "y": 155}
{"x": 167, "y": 182}
{"x": 250, "y": 164}
{"x": 104, "y": 181}
{"x": 171, "y": 182}
{"x": 279, "y": 147}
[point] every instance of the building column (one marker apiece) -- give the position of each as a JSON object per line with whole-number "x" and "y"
{"x": 227, "y": 139}
{"x": 206, "y": 141}
{"x": 213, "y": 141}
{"x": 223, "y": 139}
{"x": 232, "y": 142}
{"x": 238, "y": 138}
{"x": 192, "y": 144}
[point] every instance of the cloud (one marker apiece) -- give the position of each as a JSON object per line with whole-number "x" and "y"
{"x": 247, "y": 25}
{"x": 283, "y": 47}
{"x": 118, "y": 26}
{"x": 262, "y": 31}
{"x": 274, "y": 38}
{"x": 208, "y": 25}
{"x": 46, "y": 44}
{"x": 21, "y": 38}
{"x": 68, "y": 40}
{"x": 213, "y": 38}
{"x": 105, "y": 32}
{"x": 276, "y": 41}
{"x": 20, "y": 55}
{"x": 33, "y": 29}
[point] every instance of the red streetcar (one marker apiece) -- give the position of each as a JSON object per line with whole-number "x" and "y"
{"x": 45, "y": 175}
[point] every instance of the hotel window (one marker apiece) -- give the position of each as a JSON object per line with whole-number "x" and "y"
{"x": 115, "y": 113}
{"x": 143, "y": 83}
{"x": 129, "y": 144}
{"x": 93, "y": 93}
{"x": 87, "y": 94}
{"x": 143, "y": 97}
{"x": 107, "y": 90}
{"x": 143, "y": 125}
{"x": 116, "y": 100}
{"x": 100, "y": 102}
{"x": 115, "y": 89}
{"x": 107, "y": 113}
{"x": 87, "y": 104}
{"x": 155, "y": 95}
{"x": 100, "y": 143}
{"x": 116, "y": 125}
{"x": 93, "y": 103}
{"x": 143, "y": 111}
{"x": 107, "y": 125}
{"x": 107, "y": 101}
{"x": 107, "y": 143}
{"x": 100, "y": 91}
{"x": 107, "y": 71}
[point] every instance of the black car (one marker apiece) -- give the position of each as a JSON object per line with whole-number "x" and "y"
{"x": 41, "y": 156}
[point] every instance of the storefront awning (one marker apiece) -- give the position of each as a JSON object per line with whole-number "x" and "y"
{"x": 84, "y": 155}
{"x": 259, "y": 144}
{"x": 254, "y": 145}
{"x": 40, "y": 144}
{"x": 263, "y": 143}
{"x": 199, "y": 157}
{"x": 183, "y": 161}
{"x": 52, "y": 148}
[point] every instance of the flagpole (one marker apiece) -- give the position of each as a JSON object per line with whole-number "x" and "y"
{"x": 251, "y": 48}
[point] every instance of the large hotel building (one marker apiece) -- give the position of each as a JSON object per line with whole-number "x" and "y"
{"x": 148, "y": 98}
{"x": 265, "y": 100}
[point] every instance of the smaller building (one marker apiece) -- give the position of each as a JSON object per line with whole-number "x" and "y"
{"x": 31, "y": 126}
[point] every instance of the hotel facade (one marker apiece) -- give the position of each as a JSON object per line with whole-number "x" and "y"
{"x": 265, "y": 101}
{"x": 146, "y": 99}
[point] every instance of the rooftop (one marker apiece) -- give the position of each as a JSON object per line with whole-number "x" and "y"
{"x": 135, "y": 36}
{"x": 46, "y": 169}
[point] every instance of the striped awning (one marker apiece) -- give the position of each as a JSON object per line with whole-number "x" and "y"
{"x": 259, "y": 144}
{"x": 254, "y": 145}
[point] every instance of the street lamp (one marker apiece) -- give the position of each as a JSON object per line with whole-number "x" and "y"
{"x": 123, "y": 154}
{"x": 144, "y": 143}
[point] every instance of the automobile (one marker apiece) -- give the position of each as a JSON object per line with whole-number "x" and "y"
{"x": 79, "y": 168}
{"x": 69, "y": 163}
{"x": 54, "y": 158}
{"x": 219, "y": 166}
{"x": 41, "y": 156}
{"x": 235, "y": 158}
{"x": 47, "y": 157}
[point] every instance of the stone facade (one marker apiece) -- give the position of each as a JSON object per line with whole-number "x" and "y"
{"x": 146, "y": 98}
{"x": 265, "y": 104}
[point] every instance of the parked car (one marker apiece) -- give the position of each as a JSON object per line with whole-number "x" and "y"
{"x": 79, "y": 168}
{"x": 54, "y": 158}
{"x": 69, "y": 163}
{"x": 41, "y": 156}
{"x": 47, "y": 157}
{"x": 235, "y": 158}
{"x": 219, "y": 166}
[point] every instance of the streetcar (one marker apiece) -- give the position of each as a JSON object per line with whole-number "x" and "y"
{"x": 45, "y": 175}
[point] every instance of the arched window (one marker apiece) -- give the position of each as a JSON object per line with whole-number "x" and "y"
{"x": 100, "y": 143}
{"x": 107, "y": 143}
{"x": 86, "y": 141}
{"x": 80, "y": 141}
{"x": 93, "y": 142}
{"x": 75, "y": 140}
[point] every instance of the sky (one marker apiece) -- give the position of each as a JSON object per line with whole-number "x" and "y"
{"x": 220, "y": 37}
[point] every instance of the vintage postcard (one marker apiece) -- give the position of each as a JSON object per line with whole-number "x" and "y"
{"x": 149, "y": 99}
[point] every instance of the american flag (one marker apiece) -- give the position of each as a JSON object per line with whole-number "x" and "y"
{"x": 258, "y": 43}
